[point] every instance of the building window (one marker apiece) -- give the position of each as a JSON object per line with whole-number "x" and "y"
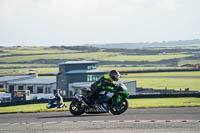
{"x": 93, "y": 78}
{"x": 49, "y": 90}
{"x": 1, "y": 85}
{"x": 11, "y": 88}
{"x": 91, "y": 67}
{"x": 62, "y": 69}
{"x": 30, "y": 88}
{"x": 40, "y": 89}
{"x": 54, "y": 92}
{"x": 89, "y": 78}
{"x": 21, "y": 88}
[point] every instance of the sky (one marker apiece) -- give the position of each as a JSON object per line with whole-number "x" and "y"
{"x": 78, "y": 22}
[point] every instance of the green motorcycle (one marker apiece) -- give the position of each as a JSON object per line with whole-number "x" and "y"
{"x": 114, "y": 101}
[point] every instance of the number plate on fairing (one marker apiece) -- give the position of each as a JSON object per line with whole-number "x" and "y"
{"x": 110, "y": 94}
{"x": 102, "y": 92}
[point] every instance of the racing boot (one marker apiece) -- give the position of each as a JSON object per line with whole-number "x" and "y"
{"x": 88, "y": 99}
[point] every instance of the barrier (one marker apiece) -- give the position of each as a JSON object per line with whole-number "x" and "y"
{"x": 131, "y": 97}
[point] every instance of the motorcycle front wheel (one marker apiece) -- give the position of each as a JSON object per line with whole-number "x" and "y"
{"x": 118, "y": 108}
{"x": 76, "y": 107}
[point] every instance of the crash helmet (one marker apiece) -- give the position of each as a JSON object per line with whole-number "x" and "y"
{"x": 115, "y": 75}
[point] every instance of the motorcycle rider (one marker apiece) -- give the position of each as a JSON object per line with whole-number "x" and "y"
{"x": 104, "y": 83}
{"x": 58, "y": 98}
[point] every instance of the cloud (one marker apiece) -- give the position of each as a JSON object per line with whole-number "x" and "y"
{"x": 83, "y": 21}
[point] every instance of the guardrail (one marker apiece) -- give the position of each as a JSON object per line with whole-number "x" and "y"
{"x": 131, "y": 97}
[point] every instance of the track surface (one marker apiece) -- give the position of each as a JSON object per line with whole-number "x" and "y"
{"x": 137, "y": 120}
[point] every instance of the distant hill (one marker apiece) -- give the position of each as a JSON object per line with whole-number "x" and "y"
{"x": 148, "y": 44}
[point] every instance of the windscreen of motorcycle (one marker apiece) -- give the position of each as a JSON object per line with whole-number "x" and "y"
{"x": 124, "y": 87}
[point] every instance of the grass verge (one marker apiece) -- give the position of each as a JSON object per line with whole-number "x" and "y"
{"x": 164, "y": 102}
{"x": 133, "y": 103}
{"x": 167, "y": 83}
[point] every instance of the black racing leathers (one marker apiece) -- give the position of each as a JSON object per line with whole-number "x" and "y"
{"x": 104, "y": 83}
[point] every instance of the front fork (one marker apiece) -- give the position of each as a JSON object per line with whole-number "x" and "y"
{"x": 119, "y": 98}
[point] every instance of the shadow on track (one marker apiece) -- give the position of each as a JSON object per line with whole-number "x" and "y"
{"x": 70, "y": 116}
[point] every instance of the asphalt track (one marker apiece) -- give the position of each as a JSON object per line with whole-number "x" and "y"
{"x": 186, "y": 120}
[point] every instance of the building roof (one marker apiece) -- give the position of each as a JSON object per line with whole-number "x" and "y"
{"x": 10, "y": 78}
{"x": 85, "y": 71}
{"x": 82, "y": 84}
{"x": 79, "y": 62}
{"x": 35, "y": 81}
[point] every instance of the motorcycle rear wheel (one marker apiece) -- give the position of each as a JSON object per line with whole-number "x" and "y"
{"x": 76, "y": 107}
{"x": 118, "y": 108}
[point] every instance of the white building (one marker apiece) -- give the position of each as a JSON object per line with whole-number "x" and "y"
{"x": 6, "y": 79}
{"x": 35, "y": 85}
{"x": 38, "y": 87}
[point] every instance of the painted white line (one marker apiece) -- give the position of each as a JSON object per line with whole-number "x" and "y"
{"x": 51, "y": 122}
{"x": 97, "y": 121}
{"x": 105, "y": 121}
{"x": 160, "y": 121}
{"x": 129, "y": 121}
{"x": 82, "y": 121}
{"x": 113, "y": 121}
{"x": 34, "y": 123}
{"x": 4, "y": 123}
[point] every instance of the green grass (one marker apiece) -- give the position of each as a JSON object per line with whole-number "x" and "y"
{"x": 195, "y": 73}
{"x": 34, "y": 50}
{"x": 133, "y": 103}
{"x": 26, "y": 65}
{"x": 60, "y": 54}
{"x": 72, "y": 54}
{"x": 86, "y": 56}
{"x": 164, "y": 102}
{"x": 28, "y": 70}
{"x": 169, "y": 83}
{"x": 29, "y": 108}
{"x": 185, "y": 61}
{"x": 138, "y": 68}
{"x": 149, "y": 58}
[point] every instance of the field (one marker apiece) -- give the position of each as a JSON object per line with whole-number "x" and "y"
{"x": 16, "y": 60}
{"x": 136, "y": 68}
{"x": 45, "y": 60}
{"x": 196, "y": 73}
{"x": 160, "y": 81}
{"x": 166, "y": 80}
{"x": 133, "y": 103}
{"x": 167, "y": 83}
{"x": 88, "y": 56}
{"x": 149, "y": 58}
